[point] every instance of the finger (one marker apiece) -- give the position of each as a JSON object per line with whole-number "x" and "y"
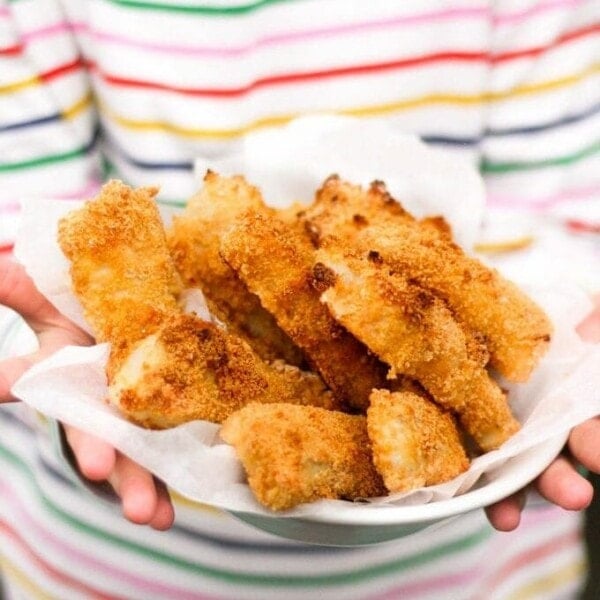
{"x": 95, "y": 458}
{"x": 562, "y": 485}
{"x": 506, "y": 514}
{"x": 17, "y": 291}
{"x": 584, "y": 444}
{"x": 164, "y": 514}
{"x": 136, "y": 488}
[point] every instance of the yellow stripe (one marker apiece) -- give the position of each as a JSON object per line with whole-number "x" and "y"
{"x": 78, "y": 107}
{"x": 32, "y": 589}
{"x": 504, "y": 246}
{"x": 541, "y": 588}
{"x": 428, "y": 100}
{"x": 470, "y": 99}
{"x": 16, "y": 86}
{"x": 190, "y": 132}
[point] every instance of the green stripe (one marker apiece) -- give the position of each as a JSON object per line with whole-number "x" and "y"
{"x": 42, "y": 161}
{"x": 287, "y": 581}
{"x": 557, "y": 161}
{"x": 172, "y": 202}
{"x": 237, "y": 9}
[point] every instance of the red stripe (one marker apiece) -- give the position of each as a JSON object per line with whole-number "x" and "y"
{"x": 51, "y": 571}
{"x": 570, "y": 36}
{"x": 529, "y": 556}
{"x": 582, "y": 227}
{"x": 6, "y": 247}
{"x": 287, "y": 78}
{"x": 298, "y": 77}
{"x": 11, "y": 50}
{"x": 62, "y": 70}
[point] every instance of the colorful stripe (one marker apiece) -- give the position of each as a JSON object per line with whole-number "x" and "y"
{"x": 293, "y": 37}
{"x": 71, "y": 112}
{"x": 543, "y": 586}
{"x": 261, "y": 579}
{"x": 242, "y": 9}
{"x": 589, "y": 192}
{"x": 588, "y": 151}
{"x": 303, "y": 77}
{"x": 50, "y": 159}
{"x": 427, "y": 100}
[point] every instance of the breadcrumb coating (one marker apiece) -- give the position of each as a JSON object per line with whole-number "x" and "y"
{"x": 415, "y": 443}
{"x": 194, "y": 244}
{"x": 502, "y": 318}
{"x": 414, "y": 332}
{"x": 121, "y": 270}
{"x": 296, "y": 454}
{"x": 190, "y": 369}
{"x": 276, "y": 263}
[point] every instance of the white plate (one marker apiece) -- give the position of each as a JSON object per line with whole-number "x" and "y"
{"x": 380, "y": 523}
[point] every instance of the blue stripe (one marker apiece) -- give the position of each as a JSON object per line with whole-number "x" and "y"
{"x": 53, "y": 118}
{"x": 184, "y": 165}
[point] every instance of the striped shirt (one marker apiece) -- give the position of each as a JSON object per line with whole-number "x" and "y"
{"x": 137, "y": 89}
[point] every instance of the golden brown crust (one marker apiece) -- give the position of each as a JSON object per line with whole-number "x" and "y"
{"x": 414, "y": 332}
{"x": 194, "y": 243}
{"x": 296, "y": 454}
{"x": 121, "y": 270}
{"x": 415, "y": 443}
{"x": 276, "y": 264}
{"x": 190, "y": 369}
{"x": 502, "y": 319}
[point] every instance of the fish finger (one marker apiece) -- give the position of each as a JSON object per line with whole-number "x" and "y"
{"x": 296, "y": 454}
{"x": 516, "y": 331}
{"x": 276, "y": 263}
{"x": 414, "y": 332}
{"x": 193, "y": 240}
{"x": 415, "y": 443}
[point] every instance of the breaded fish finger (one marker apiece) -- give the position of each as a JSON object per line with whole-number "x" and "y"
{"x": 276, "y": 262}
{"x": 341, "y": 211}
{"x": 415, "y": 443}
{"x": 296, "y": 454}
{"x": 194, "y": 244}
{"x": 415, "y": 333}
{"x": 121, "y": 269}
{"x": 516, "y": 331}
{"x": 190, "y": 369}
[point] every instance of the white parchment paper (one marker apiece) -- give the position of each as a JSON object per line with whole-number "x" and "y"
{"x": 288, "y": 165}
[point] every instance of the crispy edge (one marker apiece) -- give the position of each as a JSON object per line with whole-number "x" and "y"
{"x": 276, "y": 264}
{"x": 296, "y": 454}
{"x": 415, "y": 442}
{"x": 194, "y": 239}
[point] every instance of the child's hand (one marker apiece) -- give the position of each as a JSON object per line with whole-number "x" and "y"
{"x": 144, "y": 500}
{"x": 561, "y": 483}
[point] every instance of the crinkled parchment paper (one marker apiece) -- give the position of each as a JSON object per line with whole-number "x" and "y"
{"x": 288, "y": 165}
